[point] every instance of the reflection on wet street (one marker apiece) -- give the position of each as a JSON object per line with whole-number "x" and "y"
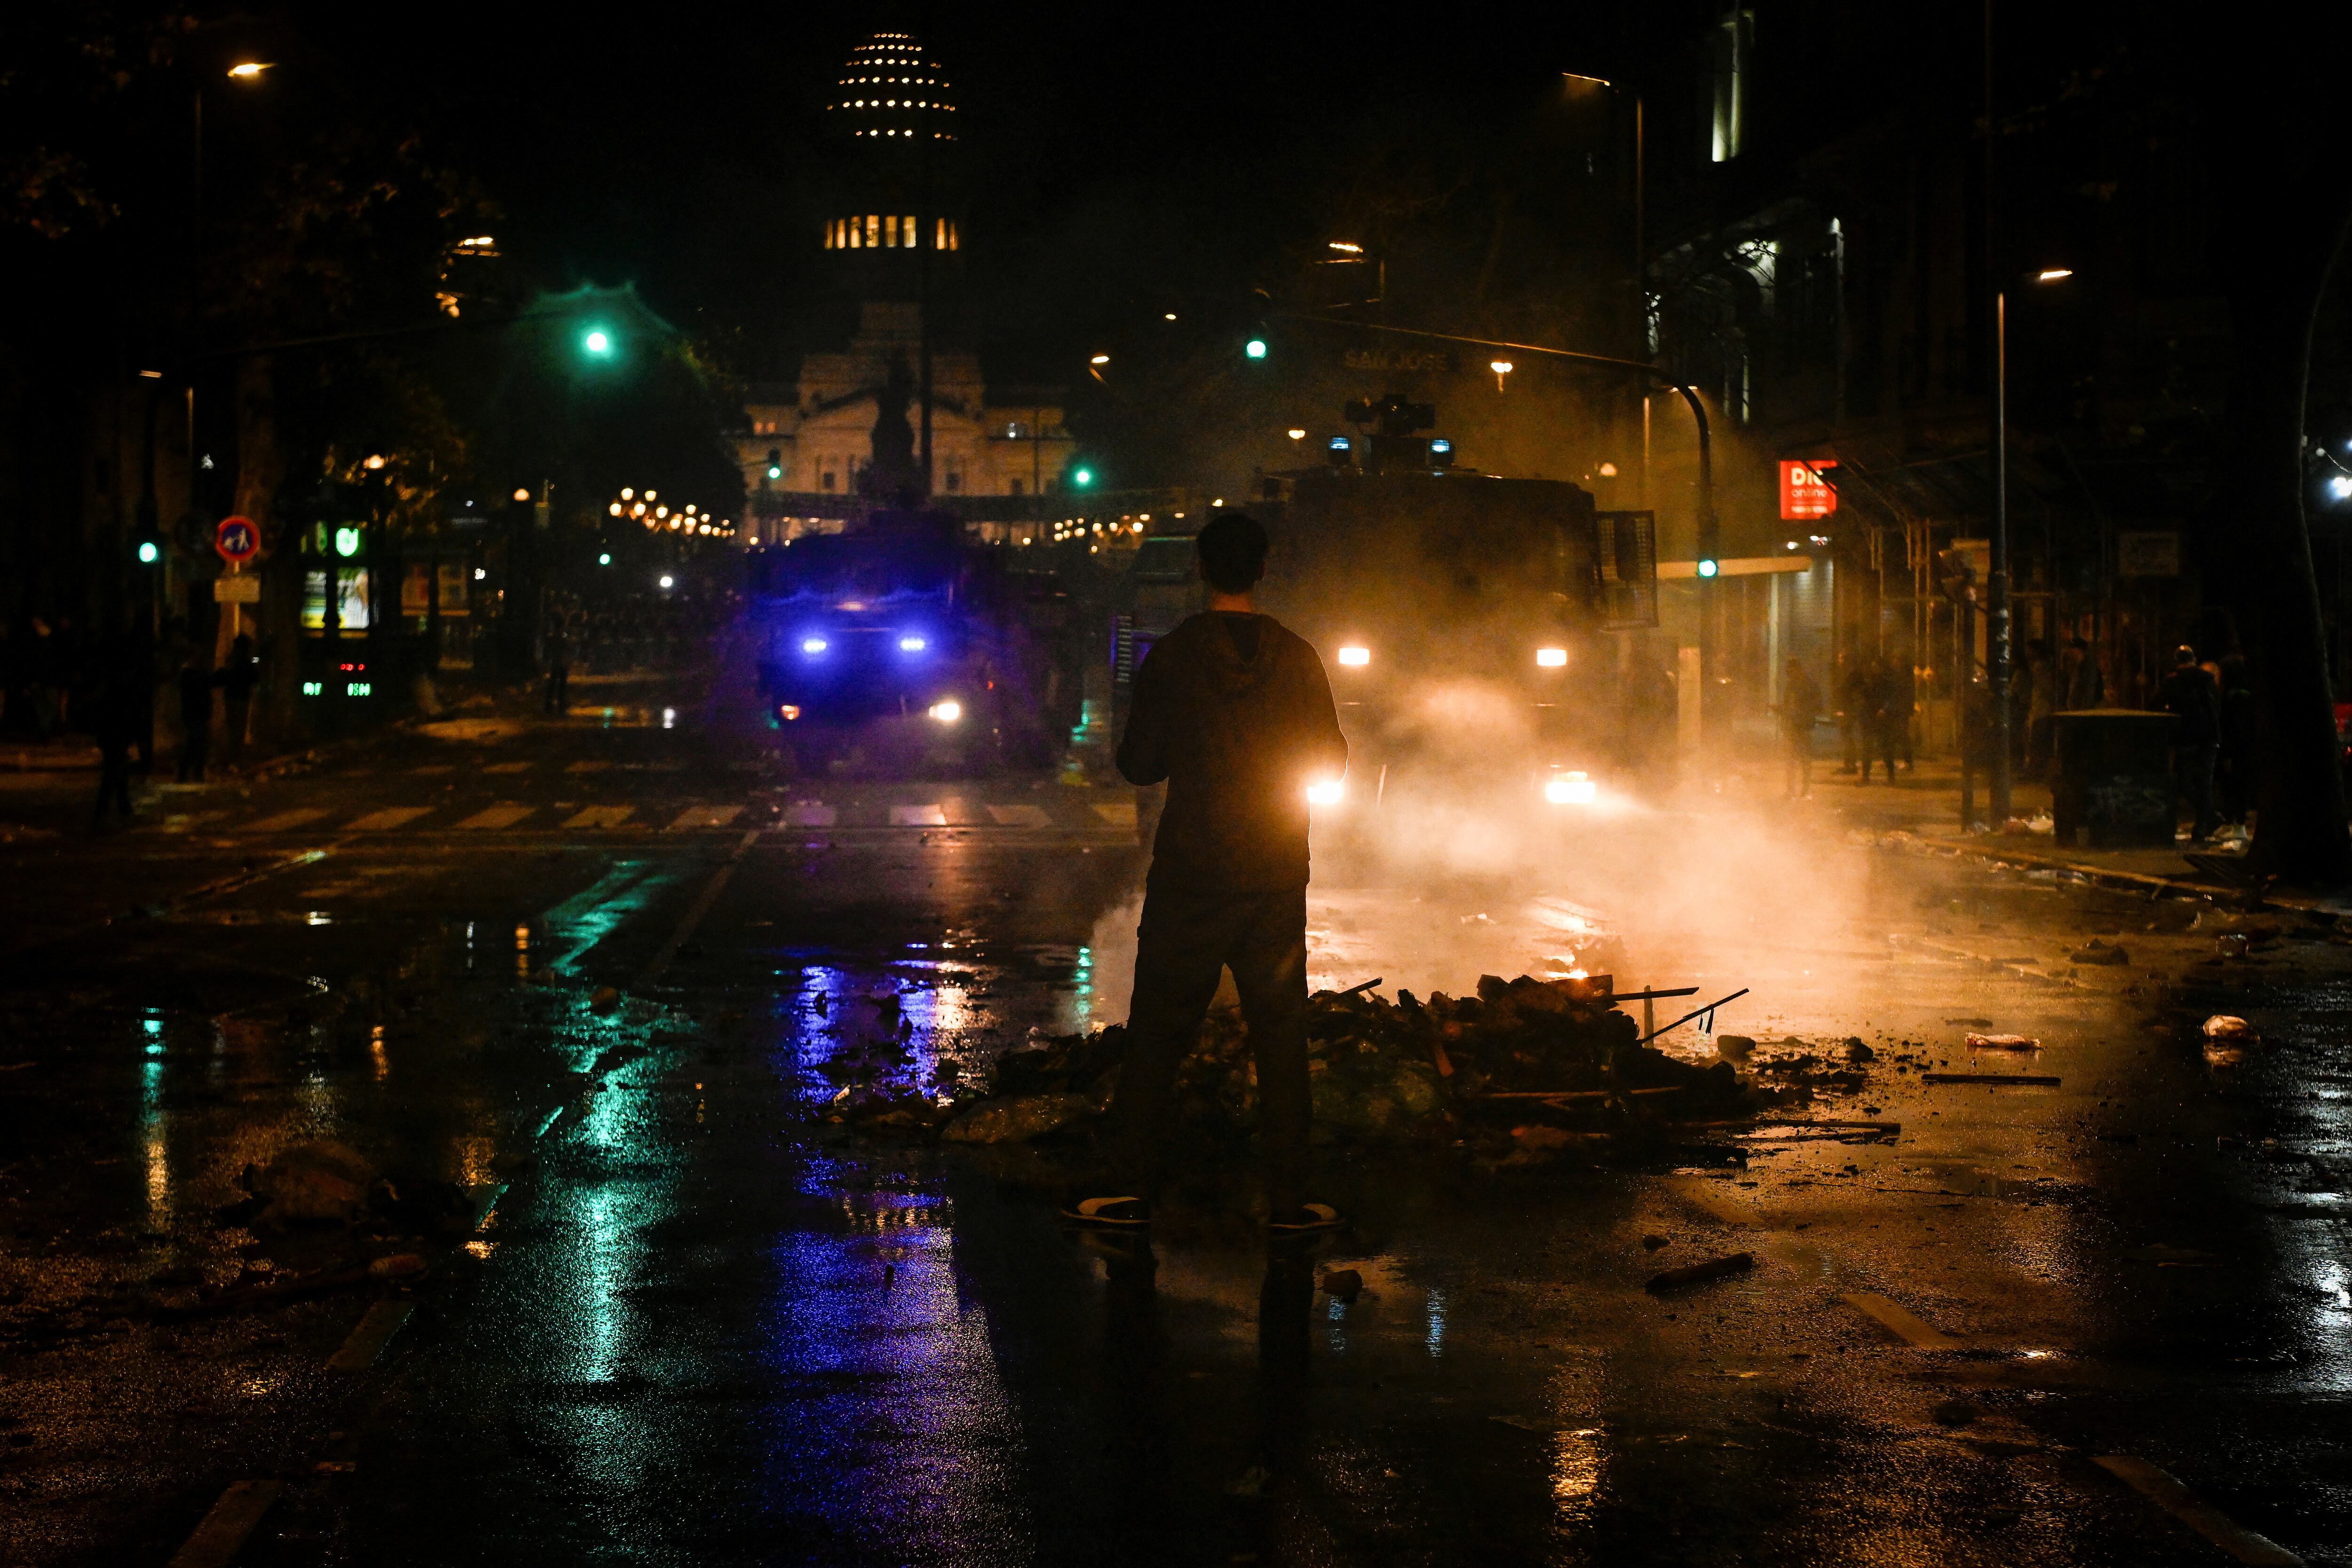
{"x": 684, "y": 1300}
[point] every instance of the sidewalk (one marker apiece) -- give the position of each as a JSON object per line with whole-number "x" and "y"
{"x": 1922, "y": 812}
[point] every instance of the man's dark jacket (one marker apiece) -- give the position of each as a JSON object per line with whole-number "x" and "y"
{"x": 2189, "y": 693}
{"x": 1235, "y": 713}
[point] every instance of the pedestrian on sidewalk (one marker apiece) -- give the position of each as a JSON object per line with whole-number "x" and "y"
{"x": 1852, "y": 692}
{"x": 236, "y": 680}
{"x": 1801, "y": 708}
{"x": 1875, "y": 698}
{"x": 558, "y": 642}
{"x": 126, "y": 686}
{"x": 1234, "y": 711}
{"x": 2041, "y": 705}
{"x": 2188, "y": 695}
{"x": 2087, "y": 686}
{"x": 195, "y": 715}
{"x": 2233, "y": 774}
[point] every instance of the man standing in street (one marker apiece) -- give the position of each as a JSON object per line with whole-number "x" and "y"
{"x": 2188, "y": 695}
{"x": 236, "y": 680}
{"x": 195, "y": 715}
{"x": 1801, "y": 704}
{"x": 1234, "y": 712}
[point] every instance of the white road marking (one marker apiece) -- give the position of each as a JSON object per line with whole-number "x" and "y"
{"x": 286, "y": 821}
{"x": 367, "y": 1340}
{"x": 218, "y": 1540}
{"x": 1021, "y": 816}
{"x": 1900, "y": 1322}
{"x": 588, "y": 765}
{"x": 918, "y": 817}
{"x": 504, "y": 814}
{"x": 388, "y": 819}
{"x": 600, "y": 817}
{"x": 2169, "y": 1494}
{"x": 1118, "y": 813}
{"x": 810, "y": 814}
{"x": 707, "y": 816}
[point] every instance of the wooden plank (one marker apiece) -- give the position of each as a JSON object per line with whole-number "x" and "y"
{"x": 2159, "y": 1487}
{"x": 367, "y": 1340}
{"x": 1901, "y": 1322}
{"x": 233, "y": 1518}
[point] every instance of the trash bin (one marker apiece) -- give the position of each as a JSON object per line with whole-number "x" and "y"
{"x": 2114, "y": 778}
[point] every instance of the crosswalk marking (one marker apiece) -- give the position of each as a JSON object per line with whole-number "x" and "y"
{"x": 1021, "y": 816}
{"x": 810, "y": 814}
{"x": 588, "y": 765}
{"x": 1118, "y": 813}
{"x": 707, "y": 816}
{"x": 504, "y": 814}
{"x": 286, "y": 821}
{"x": 388, "y": 819}
{"x": 508, "y": 768}
{"x": 428, "y": 770}
{"x": 918, "y": 817}
{"x": 599, "y": 817}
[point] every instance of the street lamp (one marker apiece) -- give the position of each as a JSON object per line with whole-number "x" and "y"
{"x": 1501, "y": 367}
{"x": 1997, "y": 596}
{"x": 249, "y": 70}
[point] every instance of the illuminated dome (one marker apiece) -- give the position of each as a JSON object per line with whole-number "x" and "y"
{"x": 890, "y": 92}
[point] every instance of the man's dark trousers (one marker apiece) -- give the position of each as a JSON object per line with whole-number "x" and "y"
{"x": 1185, "y": 939}
{"x": 2192, "y": 770}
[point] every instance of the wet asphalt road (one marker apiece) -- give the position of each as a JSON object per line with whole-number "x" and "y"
{"x": 682, "y": 1319}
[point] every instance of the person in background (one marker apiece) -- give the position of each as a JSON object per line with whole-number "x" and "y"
{"x": 1801, "y": 706}
{"x": 2188, "y": 695}
{"x": 558, "y": 641}
{"x": 1234, "y": 711}
{"x": 1903, "y": 685}
{"x": 1872, "y": 705}
{"x": 2040, "y": 677}
{"x": 125, "y": 691}
{"x": 236, "y": 680}
{"x": 1853, "y": 694}
{"x": 2087, "y": 685}
{"x": 2233, "y": 774}
{"x": 195, "y": 715}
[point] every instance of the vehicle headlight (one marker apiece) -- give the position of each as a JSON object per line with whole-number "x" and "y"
{"x": 1573, "y": 790}
{"x": 912, "y": 644}
{"x": 812, "y": 644}
{"x": 1551, "y": 658}
{"x": 1326, "y": 792}
{"x": 947, "y": 711}
{"x": 788, "y": 713}
{"x": 1355, "y": 655}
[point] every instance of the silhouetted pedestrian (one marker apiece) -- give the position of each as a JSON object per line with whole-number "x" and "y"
{"x": 125, "y": 686}
{"x": 196, "y": 717}
{"x": 236, "y": 680}
{"x": 2188, "y": 695}
{"x": 1801, "y": 706}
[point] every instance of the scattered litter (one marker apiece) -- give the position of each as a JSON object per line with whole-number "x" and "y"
{"x": 1651, "y": 1243}
{"x": 2228, "y": 1039}
{"x": 1698, "y": 1273}
{"x": 1970, "y": 1023}
{"x": 2003, "y": 1042}
{"x": 1016, "y": 1120}
{"x": 317, "y": 1181}
{"x": 2099, "y": 952}
{"x": 1734, "y": 1047}
{"x": 2044, "y": 1079}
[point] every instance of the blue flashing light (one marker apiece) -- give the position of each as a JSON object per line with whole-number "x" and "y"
{"x": 1254, "y": 348}
{"x": 912, "y": 644}
{"x": 1338, "y": 444}
{"x": 1707, "y": 568}
{"x": 812, "y": 644}
{"x": 1439, "y": 447}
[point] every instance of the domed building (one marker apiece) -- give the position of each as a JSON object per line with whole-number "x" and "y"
{"x": 894, "y": 240}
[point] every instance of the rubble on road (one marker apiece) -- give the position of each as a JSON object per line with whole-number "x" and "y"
{"x": 1525, "y": 1072}
{"x": 1698, "y": 1273}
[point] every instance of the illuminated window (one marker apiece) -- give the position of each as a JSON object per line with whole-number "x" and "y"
{"x": 891, "y": 230}
{"x": 952, "y": 236}
{"x": 913, "y": 235}
{"x": 873, "y": 229}
{"x": 828, "y": 235}
{"x": 853, "y": 239}
{"x": 940, "y": 239}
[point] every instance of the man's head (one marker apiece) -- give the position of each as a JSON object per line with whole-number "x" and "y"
{"x": 2184, "y": 656}
{"x": 1232, "y": 552}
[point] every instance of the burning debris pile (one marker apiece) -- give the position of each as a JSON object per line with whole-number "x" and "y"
{"x": 1523, "y": 1064}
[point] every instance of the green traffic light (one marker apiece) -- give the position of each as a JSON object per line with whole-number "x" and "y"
{"x": 598, "y": 341}
{"x": 1082, "y": 476}
{"x": 347, "y": 542}
{"x": 774, "y": 472}
{"x": 1254, "y": 348}
{"x": 148, "y": 553}
{"x": 1707, "y": 569}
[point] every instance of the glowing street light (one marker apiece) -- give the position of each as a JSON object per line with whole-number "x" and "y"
{"x": 249, "y": 70}
{"x": 598, "y": 342}
{"x": 1100, "y": 360}
{"x": 1295, "y": 434}
{"x": 2052, "y": 274}
{"x": 1501, "y": 367}
{"x": 522, "y": 492}
{"x": 1347, "y": 246}
{"x": 1254, "y": 348}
